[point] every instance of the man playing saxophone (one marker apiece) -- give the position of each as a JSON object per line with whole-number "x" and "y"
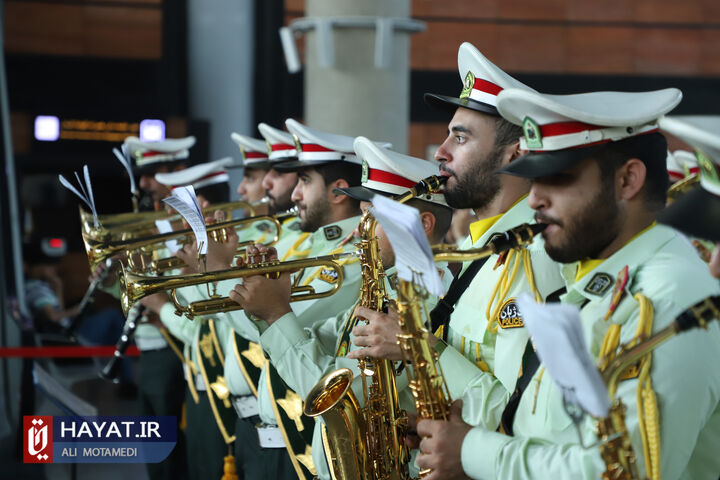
{"x": 479, "y": 343}
{"x": 303, "y": 356}
{"x": 597, "y": 164}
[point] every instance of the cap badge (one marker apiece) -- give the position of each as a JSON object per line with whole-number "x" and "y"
{"x": 332, "y": 232}
{"x": 298, "y": 145}
{"x": 365, "y": 171}
{"x": 468, "y": 85}
{"x": 509, "y": 316}
{"x": 242, "y": 154}
{"x": 599, "y": 284}
{"x": 269, "y": 147}
{"x": 708, "y": 172}
{"x": 531, "y": 130}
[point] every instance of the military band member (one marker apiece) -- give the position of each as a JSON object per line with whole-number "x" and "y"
{"x": 698, "y": 212}
{"x": 478, "y": 336}
{"x": 598, "y": 167}
{"x": 325, "y": 162}
{"x": 243, "y": 356}
{"x": 160, "y": 375}
{"x": 303, "y": 355}
{"x": 210, "y": 423}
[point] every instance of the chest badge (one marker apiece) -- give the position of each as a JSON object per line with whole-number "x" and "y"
{"x": 332, "y": 232}
{"x": 509, "y": 316}
{"x": 328, "y": 275}
{"x": 599, "y": 284}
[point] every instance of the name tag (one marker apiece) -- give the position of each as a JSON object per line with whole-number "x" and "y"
{"x": 246, "y": 406}
{"x": 270, "y": 436}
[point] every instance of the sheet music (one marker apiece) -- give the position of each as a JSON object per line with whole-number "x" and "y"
{"x": 164, "y": 226}
{"x": 125, "y": 161}
{"x": 86, "y": 196}
{"x": 404, "y": 229}
{"x": 556, "y": 332}
{"x": 184, "y": 200}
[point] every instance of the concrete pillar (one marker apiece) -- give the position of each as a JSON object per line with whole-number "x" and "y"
{"x": 353, "y": 96}
{"x": 220, "y": 64}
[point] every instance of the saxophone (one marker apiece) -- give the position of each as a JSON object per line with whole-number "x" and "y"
{"x": 366, "y": 443}
{"x": 426, "y": 380}
{"x": 615, "y": 447}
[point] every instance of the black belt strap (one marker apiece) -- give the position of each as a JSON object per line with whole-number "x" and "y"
{"x": 440, "y": 315}
{"x": 530, "y": 364}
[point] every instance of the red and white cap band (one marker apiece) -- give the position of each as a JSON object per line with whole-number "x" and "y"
{"x": 394, "y": 184}
{"x": 281, "y": 151}
{"x": 312, "y": 152}
{"x": 150, "y": 156}
{"x": 254, "y": 157}
{"x": 680, "y": 174}
{"x": 565, "y": 135}
{"x": 485, "y": 92}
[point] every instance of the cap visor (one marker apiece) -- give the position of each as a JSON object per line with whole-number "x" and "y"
{"x": 363, "y": 194}
{"x": 450, "y": 104}
{"x": 295, "y": 165}
{"x": 265, "y": 165}
{"x": 697, "y": 213}
{"x": 544, "y": 164}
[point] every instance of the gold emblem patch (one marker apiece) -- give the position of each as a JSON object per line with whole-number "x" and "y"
{"x": 531, "y": 130}
{"x": 328, "y": 275}
{"x": 509, "y": 316}
{"x": 298, "y": 145}
{"x": 365, "y": 172}
{"x": 468, "y": 85}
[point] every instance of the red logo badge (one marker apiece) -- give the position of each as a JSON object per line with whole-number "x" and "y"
{"x": 37, "y": 439}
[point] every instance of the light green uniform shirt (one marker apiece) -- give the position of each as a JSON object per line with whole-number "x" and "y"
{"x": 485, "y": 394}
{"x": 302, "y": 356}
{"x": 293, "y": 244}
{"x": 666, "y": 269}
{"x": 324, "y": 241}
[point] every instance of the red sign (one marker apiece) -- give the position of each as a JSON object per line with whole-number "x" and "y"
{"x": 37, "y": 439}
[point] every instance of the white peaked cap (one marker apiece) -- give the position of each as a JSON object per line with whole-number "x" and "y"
{"x": 254, "y": 152}
{"x": 703, "y": 133}
{"x": 697, "y": 212}
{"x": 482, "y": 82}
{"x": 393, "y": 173}
{"x": 280, "y": 143}
{"x": 317, "y": 148}
{"x": 680, "y": 164}
{"x": 147, "y": 153}
{"x": 561, "y": 124}
{"x": 199, "y": 176}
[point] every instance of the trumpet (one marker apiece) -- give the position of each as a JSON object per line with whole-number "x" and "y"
{"x": 115, "y": 226}
{"x": 163, "y": 265}
{"x": 134, "y": 287}
{"x": 99, "y": 250}
{"x": 615, "y": 447}
{"x": 513, "y": 238}
{"x": 681, "y": 187}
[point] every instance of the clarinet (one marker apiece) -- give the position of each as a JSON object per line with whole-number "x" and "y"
{"x": 110, "y": 371}
{"x": 89, "y": 297}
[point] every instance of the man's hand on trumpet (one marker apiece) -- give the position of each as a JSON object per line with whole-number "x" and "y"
{"x": 265, "y": 298}
{"x": 221, "y": 252}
